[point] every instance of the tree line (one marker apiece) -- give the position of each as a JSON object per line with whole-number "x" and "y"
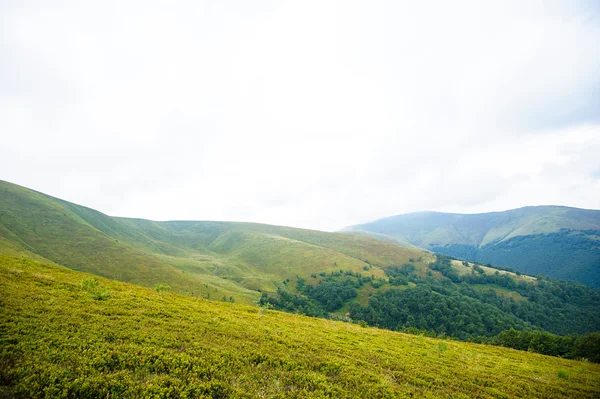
{"x": 546, "y": 316}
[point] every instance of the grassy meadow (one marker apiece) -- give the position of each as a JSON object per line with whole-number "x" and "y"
{"x": 71, "y": 334}
{"x": 206, "y": 259}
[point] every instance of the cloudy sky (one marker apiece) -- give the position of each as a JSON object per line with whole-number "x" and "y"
{"x": 316, "y": 114}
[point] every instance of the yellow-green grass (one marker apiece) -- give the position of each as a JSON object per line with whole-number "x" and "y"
{"x": 237, "y": 259}
{"x": 207, "y": 271}
{"x": 377, "y": 252}
{"x": 281, "y": 258}
{"x": 462, "y": 270}
{"x": 63, "y": 335}
{"x": 39, "y": 224}
{"x": 381, "y": 237}
{"x": 500, "y": 291}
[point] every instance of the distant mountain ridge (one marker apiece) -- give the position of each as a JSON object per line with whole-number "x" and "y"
{"x": 558, "y": 241}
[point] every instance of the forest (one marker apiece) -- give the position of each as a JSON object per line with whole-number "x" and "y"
{"x": 565, "y": 254}
{"x": 492, "y": 308}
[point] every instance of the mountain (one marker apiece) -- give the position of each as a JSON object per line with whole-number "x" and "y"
{"x": 209, "y": 259}
{"x": 557, "y": 241}
{"x": 330, "y": 275}
{"x": 71, "y": 334}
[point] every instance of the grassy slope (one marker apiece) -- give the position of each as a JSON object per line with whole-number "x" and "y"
{"x": 381, "y": 237}
{"x": 42, "y": 225}
{"x": 203, "y": 258}
{"x": 435, "y": 228}
{"x": 462, "y": 269}
{"x": 57, "y": 341}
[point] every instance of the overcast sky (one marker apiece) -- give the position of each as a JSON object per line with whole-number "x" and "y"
{"x": 312, "y": 114}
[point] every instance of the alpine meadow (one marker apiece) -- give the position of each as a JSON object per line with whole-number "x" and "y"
{"x": 209, "y": 324}
{"x": 71, "y": 334}
{"x": 299, "y": 199}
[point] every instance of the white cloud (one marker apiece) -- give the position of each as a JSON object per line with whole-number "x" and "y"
{"x": 314, "y": 114}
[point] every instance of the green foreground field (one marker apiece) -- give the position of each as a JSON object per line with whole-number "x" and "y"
{"x": 70, "y": 334}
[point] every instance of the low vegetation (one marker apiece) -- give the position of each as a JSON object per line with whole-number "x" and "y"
{"x": 58, "y": 341}
{"x": 329, "y": 275}
{"x": 462, "y": 301}
{"x": 586, "y": 347}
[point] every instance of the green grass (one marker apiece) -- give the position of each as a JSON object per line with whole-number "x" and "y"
{"x": 57, "y": 340}
{"x": 500, "y": 291}
{"x": 41, "y": 225}
{"x": 217, "y": 260}
{"x": 562, "y": 374}
{"x": 199, "y": 258}
{"x": 461, "y": 269}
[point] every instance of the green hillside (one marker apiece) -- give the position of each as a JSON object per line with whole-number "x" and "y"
{"x": 208, "y": 259}
{"x": 331, "y": 275}
{"x": 70, "y": 334}
{"x": 558, "y": 241}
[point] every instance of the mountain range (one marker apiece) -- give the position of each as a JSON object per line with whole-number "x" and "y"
{"x": 333, "y": 275}
{"x": 169, "y": 328}
{"x": 557, "y": 241}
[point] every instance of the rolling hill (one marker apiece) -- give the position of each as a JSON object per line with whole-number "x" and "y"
{"x": 557, "y": 241}
{"x": 332, "y": 275}
{"x": 70, "y": 334}
{"x": 209, "y": 259}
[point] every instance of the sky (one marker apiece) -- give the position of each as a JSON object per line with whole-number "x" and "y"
{"x": 314, "y": 114}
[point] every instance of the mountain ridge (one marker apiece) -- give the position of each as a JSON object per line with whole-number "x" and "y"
{"x": 332, "y": 275}
{"x": 203, "y": 257}
{"x": 488, "y": 237}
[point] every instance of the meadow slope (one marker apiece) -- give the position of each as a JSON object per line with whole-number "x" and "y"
{"x": 70, "y": 334}
{"x": 208, "y": 259}
{"x": 303, "y": 271}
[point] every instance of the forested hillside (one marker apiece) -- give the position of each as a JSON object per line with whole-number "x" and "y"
{"x": 557, "y": 241}
{"x": 460, "y": 300}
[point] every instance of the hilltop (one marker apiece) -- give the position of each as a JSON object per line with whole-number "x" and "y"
{"x": 557, "y": 241}
{"x": 71, "y": 334}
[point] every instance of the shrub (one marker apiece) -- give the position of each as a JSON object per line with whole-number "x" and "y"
{"x": 92, "y": 286}
{"x": 441, "y": 347}
{"x": 89, "y": 284}
{"x": 100, "y": 295}
{"x": 162, "y": 287}
{"x": 562, "y": 374}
